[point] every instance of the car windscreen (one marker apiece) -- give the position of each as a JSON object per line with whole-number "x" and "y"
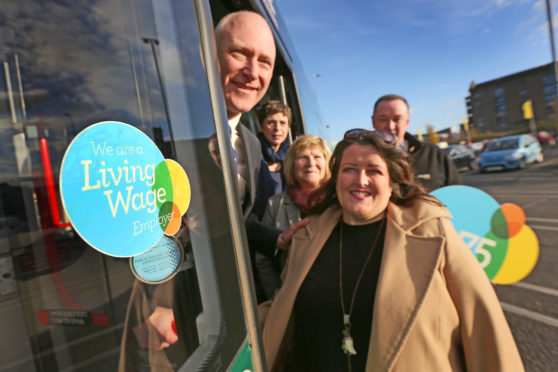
{"x": 508, "y": 144}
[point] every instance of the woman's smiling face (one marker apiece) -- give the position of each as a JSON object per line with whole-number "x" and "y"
{"x": 309, "y": 168}
{"x": 363, "y": 184}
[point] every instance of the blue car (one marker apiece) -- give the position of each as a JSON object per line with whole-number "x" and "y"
{"x": 510, "y": 152}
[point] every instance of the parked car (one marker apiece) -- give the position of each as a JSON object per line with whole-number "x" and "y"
{"x": 486, "y": 143}
{"x": 462, "y": 156}
{"x": 510, "y": 153}
{"x": 477, "y": 147}
{"x": 546, "y": 138}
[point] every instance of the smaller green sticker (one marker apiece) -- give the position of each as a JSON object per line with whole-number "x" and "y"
{"x": 244, "y": 360}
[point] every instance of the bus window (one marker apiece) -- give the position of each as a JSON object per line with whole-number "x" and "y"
{"x": 63, "y": 304}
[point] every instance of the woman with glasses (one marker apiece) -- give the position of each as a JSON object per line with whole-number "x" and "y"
{"x": 379, "y": 280}
{"x": 305, "y": 169}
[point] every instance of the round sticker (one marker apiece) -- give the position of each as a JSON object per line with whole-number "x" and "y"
{"x": 119, "y": 192}
{"x": 158, "y": 264}
{"x": 505, "y": 246}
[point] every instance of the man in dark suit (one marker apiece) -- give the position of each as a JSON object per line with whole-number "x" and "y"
{"x": 246, "y": 51}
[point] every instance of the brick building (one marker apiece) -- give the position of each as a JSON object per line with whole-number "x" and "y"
{"x": 495, "y": 105}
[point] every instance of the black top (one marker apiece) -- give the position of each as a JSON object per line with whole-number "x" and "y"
{"x": 317, "y": 310}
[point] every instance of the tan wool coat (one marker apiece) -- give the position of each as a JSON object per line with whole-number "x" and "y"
{"x": 435, "y": 309}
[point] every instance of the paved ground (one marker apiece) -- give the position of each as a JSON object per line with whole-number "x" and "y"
{"x": 531, "y": 305}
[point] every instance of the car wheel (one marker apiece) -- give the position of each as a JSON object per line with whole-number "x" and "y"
{"x": 522, "y": 163}
{"x": 540, "y": 157}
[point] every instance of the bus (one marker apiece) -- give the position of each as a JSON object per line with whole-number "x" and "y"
{"x": 68, "y": 65}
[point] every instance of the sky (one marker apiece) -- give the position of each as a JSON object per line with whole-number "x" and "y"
{"x": 428, "y": 51}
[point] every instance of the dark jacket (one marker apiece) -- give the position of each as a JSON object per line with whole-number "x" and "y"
{"x": 261, "y": 237}
{"x": 433, "y": 169}
{"x": 270, "y": 183}
{"x": 281, "y": 212}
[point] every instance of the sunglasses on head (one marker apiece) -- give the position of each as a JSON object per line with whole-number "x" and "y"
{"x": 386, "y": 136}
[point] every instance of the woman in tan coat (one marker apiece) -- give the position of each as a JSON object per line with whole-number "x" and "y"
{"x": 381, "y": 281}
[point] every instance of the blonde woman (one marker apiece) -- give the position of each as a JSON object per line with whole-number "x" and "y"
{"x": 305, "y": 169}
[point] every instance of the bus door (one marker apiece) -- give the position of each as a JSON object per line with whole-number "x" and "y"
{"x": 65, "y": 304}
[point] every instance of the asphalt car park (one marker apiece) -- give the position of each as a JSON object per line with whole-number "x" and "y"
{"x": 531, "y": 305}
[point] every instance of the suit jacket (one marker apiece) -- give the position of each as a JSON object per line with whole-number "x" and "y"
{"x": 434, "y": 310}
{"x": 261, "y": 237}
{"x": 181, "y": 293}
{"x": 253, "y": 162}
{"x": 281, "y": 212}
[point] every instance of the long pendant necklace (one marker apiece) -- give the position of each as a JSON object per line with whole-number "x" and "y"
{"x": 347, "y": 344}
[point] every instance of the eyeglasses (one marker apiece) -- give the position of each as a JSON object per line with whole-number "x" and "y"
{"x": 354, "y": 134}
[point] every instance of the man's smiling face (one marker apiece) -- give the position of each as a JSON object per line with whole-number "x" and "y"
{"x": 246, "y": 51}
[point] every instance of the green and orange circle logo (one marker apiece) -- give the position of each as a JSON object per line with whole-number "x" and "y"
{"x": 505, "y": 246}
{"x": 119, "y": 192}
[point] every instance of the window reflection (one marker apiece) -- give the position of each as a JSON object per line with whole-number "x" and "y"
{"x": 67, "y": 65}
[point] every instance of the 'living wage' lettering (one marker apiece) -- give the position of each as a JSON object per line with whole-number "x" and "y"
{"x": 107, "y": 177}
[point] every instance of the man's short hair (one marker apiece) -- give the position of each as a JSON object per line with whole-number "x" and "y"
{"x": 272, "y": 107}
{"x": 387, "y": 98}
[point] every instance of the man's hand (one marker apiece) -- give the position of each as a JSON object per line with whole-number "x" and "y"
{"x": 284, "y": 239}
{"x": 157, "y": 331}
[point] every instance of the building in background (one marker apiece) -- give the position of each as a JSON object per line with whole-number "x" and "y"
{"x": 495, "y": 105}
